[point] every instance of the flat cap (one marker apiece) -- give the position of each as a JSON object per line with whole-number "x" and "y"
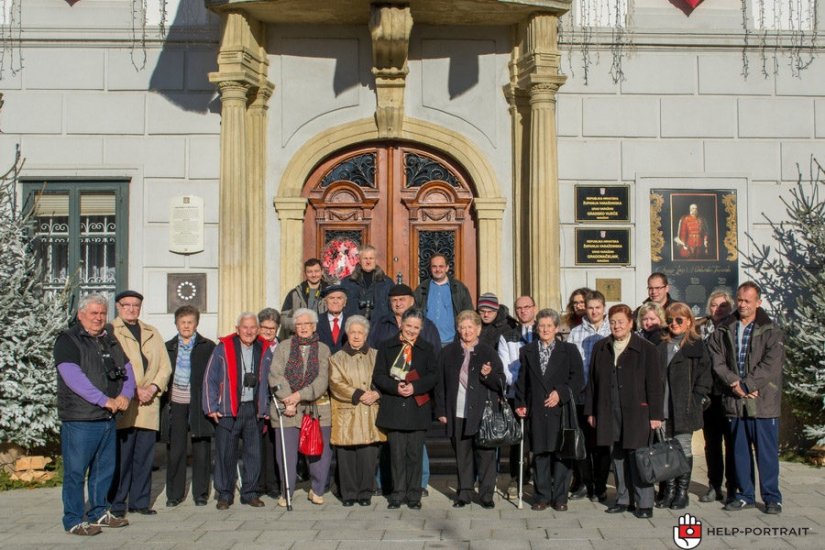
{"x": 332, "y": 288}
{"x": 129, "y": 294}
{"x": 401, "y": 290}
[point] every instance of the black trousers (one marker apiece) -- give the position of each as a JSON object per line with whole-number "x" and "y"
{"x": 470, "y": 459}
{"x": 270, "y": 480}
{"x": 228, "y": 432}
{"x": 133, "y": 477}
{"x": 593, "y": 470}
{"x": 406, "y": 455}
{"x": 720, "y": 465}
{"x": 552, "y": 478}
{"x": 176, "y": 450}
{"x": 356, "y": 470}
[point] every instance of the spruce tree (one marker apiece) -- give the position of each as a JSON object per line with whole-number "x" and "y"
{"x": 793, "y": 281}
{"x": 29, "y": 323}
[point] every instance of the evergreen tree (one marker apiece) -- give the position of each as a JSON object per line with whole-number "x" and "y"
{"x": 29, "y": 323}
{"x": 793, "y": 282}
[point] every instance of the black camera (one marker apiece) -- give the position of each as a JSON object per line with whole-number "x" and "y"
{"x": 112, "y": 369}
{"x": 250, "y": 380}
{"x": 367, "y": 306}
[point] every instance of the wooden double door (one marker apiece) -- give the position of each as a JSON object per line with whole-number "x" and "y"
{"x": 408, "y": 202}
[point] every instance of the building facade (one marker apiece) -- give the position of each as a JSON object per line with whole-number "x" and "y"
{"x": 464, "y": 127}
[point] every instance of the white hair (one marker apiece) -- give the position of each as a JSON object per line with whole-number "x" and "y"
{"x": 357, "y": 320}
{"x": 89, "y": 299}
{"x": 304, "y": 312}
{"x": 247, "y": 315}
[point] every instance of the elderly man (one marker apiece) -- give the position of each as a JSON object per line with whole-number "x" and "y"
{"x": 137, "y": 427}
{"x": 442, "y": 298}
{"x": 235, "y": 398}
{"x": 94, "y": 382}
{"x": 331, "y": 325}
{"x": 367, "y": 287}
{"x": 748, "y": 353}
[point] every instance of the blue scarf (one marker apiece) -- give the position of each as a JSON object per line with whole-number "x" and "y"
{"x": 183, "y": 363}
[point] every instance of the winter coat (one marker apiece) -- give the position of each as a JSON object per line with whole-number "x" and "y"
{"x": 158, "y": 371}
{"x": 378, "y": 293}
{"x": 313, "y": 393}
{"x": 689, "y": 380}
{"x": 640, "y": 391}
{"x": 297, "y": 299}
{"x": 458, "y": 292}
{"x": 199, "y": 424}
{"x": 386, "y": 328}
{"x": 223, "y": 378}
{"x": 564, "y": 374}
{"x": 502, "y": 324}
{"x": 404, "y": 413}
{"x": 764, "y": 360}
{"x": 350, "y": 376}
{"x": 479, "y": 388}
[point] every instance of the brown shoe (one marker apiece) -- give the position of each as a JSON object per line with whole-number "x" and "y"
{"x": 84, "y": 530}
{"x": 539, "y": 506}
{"x": 560, "y": 507}
{"x": 254, "y": 502}
{"x": 315, "y": 499}
{"x": 112, "y": 521}
{"x": 222, "y": 505}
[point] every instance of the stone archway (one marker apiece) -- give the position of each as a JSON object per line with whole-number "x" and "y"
{"x": 489, "y": 205}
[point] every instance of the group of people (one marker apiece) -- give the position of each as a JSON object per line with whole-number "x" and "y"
{"x": 375, "y": 363}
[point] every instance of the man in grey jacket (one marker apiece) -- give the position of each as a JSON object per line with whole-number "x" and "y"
{"x": 748, "y": 353}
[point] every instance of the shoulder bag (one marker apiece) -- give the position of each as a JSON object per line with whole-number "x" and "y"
{"x": 571, "y": 438}
{"x": 661, "y": 460}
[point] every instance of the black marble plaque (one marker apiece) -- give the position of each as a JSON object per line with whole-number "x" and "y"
{"x": 602, "y": 247}
{"x": 185, "y": 289}
{"x": 602, "y": 203}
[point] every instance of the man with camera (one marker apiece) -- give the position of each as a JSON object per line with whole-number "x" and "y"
{"x": 95, "y": 381}
{"x": 235, "y": 398}
{"x": 367, "y": 287}
{"x": 137, "y": 427}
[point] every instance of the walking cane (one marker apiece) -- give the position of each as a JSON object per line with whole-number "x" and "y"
{"x": 521, "y": 466}
{"x": 283, "y": 447}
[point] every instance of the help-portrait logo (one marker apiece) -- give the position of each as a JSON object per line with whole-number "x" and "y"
{"x": 688, "y": 534}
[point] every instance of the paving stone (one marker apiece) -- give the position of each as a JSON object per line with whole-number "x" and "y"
{"x": 411, "y": 534}
{"x": 349, "y": 534}
{"x": 379, "y": 545}
{"x": 286, "y": 536}
{"x": 447, "y": 545}
{"x": 514, "y": 544}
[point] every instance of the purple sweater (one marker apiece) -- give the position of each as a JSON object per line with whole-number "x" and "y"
{"x": 79, "y": 383}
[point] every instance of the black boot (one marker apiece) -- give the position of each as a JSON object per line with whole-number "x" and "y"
{"x": 681, "y": 499}
{"x": 667, "y": 490}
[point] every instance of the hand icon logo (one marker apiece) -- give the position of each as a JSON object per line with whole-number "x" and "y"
{"x": 688, "y": 534}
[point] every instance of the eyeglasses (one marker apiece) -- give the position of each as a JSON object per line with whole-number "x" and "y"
{"x": 129, "y": 306}
{"x": 657, "y": 287}
{"x": 273, "y": 327}
{"x": 679, "y": 320}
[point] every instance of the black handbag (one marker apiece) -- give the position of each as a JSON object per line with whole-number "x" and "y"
{"x": 661, "y": 460}
{"x": 499, "y": 427}
{"x": 571, "y": 438}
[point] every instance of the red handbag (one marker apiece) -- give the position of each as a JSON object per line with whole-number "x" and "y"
{"x": 310, "y": 442}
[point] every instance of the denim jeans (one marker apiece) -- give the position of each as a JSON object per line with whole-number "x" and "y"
{"x": 87, "y": 446}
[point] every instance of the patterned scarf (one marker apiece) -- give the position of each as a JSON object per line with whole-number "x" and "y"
{"x": 401, "y": 365}
{"x": 297, "y": 377}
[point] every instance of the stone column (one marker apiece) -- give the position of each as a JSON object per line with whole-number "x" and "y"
{"x": 291, "y": 212}
{"x": 539, "y": 76}
{"x": 233, "y": 241}
{"x": 490, "y": 212}
{"x": 255, "y": 204}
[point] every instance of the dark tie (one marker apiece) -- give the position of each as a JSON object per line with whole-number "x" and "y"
{"x": 336, "y": 330}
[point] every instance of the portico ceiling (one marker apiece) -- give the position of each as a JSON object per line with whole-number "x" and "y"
{"x": 357, "y": 12}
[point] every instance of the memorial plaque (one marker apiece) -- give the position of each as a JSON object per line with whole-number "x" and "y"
{"x": 611, "y": 288}
{"x": 602, "y": 246}
{"x": 602, "y": 203}
{"x": 186, "y": 224}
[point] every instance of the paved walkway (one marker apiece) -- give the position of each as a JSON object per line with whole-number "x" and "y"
{"x": 31, "y": 519}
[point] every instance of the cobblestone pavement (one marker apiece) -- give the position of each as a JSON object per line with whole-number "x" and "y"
{"x": 31, "y": 519}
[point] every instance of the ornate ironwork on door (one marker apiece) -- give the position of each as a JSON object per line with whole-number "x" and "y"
{"x": 431, "y": 243}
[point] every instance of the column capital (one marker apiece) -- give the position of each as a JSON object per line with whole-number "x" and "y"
{"x": 490, "y": 208}
{"x": 232, "y": 90}
{"x": 291, "y": 208}
{"x": 262, "y": 94}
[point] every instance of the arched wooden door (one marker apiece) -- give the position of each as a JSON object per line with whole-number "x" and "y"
{"x": 408, "y": 202}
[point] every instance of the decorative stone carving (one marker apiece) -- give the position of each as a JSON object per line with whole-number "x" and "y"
{"x": 390, "y": 28}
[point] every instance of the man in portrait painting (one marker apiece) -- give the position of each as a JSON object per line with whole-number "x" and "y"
{"x": 692, "y": 235}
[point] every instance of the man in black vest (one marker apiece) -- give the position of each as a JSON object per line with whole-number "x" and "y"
{"x": 94, "y": 382}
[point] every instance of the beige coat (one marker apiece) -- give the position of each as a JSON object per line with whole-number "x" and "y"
{"x": 352, "y": 424}
{"x": 315, "y": 392}
{"x": 144, "y": 416}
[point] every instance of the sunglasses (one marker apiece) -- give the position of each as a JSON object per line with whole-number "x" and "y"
{"x": 679, "y": 320}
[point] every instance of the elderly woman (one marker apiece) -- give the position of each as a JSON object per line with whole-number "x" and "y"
{"x": 189, "y": 353}
{"x": 470, "y": 373}
{"x": 299, "y": 374}
{"x": 405, "y": 373}
{"x": 650, "y": 320}
{"x": 354, "y": 410}
{"x": 624, "y": 402}
{"x": 687, "y": 378}
{"x": 551, "y": 375}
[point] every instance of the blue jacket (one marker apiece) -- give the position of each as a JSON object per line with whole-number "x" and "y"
{"x": 223, "y": 378}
